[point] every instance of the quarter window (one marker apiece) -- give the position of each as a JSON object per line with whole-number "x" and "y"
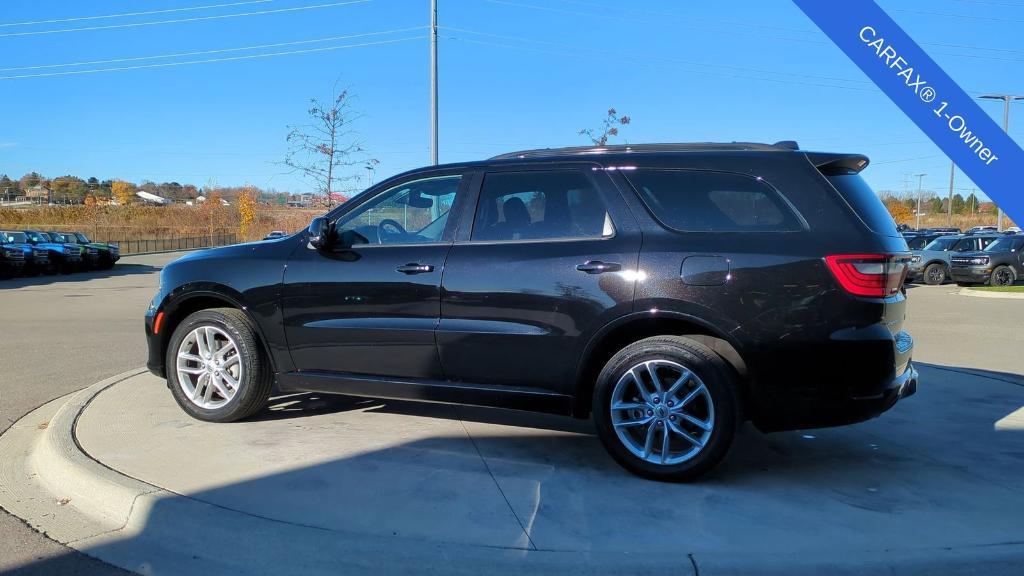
{"x": 701, "y": 201}
{"x": 540, "y": 205}
{"x": 412, "y": 213}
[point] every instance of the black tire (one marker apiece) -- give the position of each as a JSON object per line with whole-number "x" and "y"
{"x": 1003, "y": 276}
{"x": 935, "y": 274}
{"x": 709, "y": 368}
{"x": 257, "y": 377}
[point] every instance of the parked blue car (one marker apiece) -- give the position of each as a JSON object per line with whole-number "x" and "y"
{"x": 931, "y": 264}
{"x": 65, "y": 258}
{"x": 37, "y": 259}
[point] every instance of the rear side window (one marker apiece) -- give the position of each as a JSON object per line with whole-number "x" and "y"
{"x": 703, "y": 201}
{"x": 865, "y": 202}
{"x": 540, "y": 205}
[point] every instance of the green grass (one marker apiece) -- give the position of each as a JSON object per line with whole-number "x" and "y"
{"x": 1000, "y": 288}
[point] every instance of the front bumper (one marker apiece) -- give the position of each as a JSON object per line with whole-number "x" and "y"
{"x": 971, "y": 273}
{"x": 914, "y": 272}
{"x": 154, "y": 345}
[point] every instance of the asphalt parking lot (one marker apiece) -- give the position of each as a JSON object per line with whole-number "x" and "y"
{"x": 937, "y": 478}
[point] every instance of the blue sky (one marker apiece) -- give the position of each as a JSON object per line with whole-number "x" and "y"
{"x": 513, "y": 74}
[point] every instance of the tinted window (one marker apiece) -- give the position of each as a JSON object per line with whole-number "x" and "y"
{"x": 696, "y": 201}
{"x": 865, "y": 202}
{"x": 918, "y": 242}
{"x": 539, "y": 205}
{"x": 1005, "y": 245}
{"x": 411, "y": 213}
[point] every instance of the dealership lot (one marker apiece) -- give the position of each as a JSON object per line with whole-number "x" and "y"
{"x": 498, "y": 488}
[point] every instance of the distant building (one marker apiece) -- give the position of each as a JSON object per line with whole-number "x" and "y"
{"x": 38, "y": 192}
{"x": 150, "y": 198}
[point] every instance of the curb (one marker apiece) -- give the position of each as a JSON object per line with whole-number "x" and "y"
{"x": 52, "y": 483}
{"x": 987, "y": 294}
{"x": 65, "y": 469}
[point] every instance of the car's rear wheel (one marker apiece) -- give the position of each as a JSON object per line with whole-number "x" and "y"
{"x": 216, "y": 369}
{"x": 935, "y": 274}
{"x": 666, "y": 408}
{"x": 1003, "y": 276}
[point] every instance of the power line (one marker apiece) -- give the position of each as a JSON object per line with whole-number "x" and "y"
{"x": 738, "y": 23}
{"x": 673, "y": 60}
{"x": 181, "y": 20}
{"x": 129, "y": 14}
{"x": 647, "y": 62}
{"x": 209, "y": 60}
{"x": 213, "y": 51}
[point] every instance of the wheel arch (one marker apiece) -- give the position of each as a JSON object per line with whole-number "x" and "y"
{"x": 638, "y": 326}
{"x": 180, "y": 306}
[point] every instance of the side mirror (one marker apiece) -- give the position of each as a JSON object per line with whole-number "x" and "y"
{"x": 320, "y": 232}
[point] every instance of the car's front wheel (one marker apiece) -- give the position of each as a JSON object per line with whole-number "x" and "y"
{"x": 216, "y": 369}
{"x": 1003, "y": 276}
{"x": 935, "y": 274}
{"x": 666, "y": 408}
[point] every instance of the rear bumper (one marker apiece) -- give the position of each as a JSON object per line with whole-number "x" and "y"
{"x": 855, "y": 378}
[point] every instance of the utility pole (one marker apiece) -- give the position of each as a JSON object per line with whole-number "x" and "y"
{"x": 919, "y": 177}
{"x": 1006, "y": 98}
{"x": 433, "y": 82}
{"x": 949, "y": 207}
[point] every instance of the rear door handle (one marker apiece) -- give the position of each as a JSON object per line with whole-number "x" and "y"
{"x": 413, "y": 268}
{"x": 598, "y": 267}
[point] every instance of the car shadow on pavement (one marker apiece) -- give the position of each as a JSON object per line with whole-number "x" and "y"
{"x": 47, "y": 279}
{"x": 938, "y": 466}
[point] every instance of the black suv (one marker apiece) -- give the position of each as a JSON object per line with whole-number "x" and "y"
{"x": 1001, "y": 263}
{"x": 670, "y": 291}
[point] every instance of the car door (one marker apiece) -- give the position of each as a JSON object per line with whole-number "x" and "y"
{"x": 550, "y": 258}
{"x": 371, "y": 308}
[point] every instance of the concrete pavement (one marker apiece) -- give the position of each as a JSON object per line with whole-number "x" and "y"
{"x": 387, "y": 486}
{"x": 59, "y": 334}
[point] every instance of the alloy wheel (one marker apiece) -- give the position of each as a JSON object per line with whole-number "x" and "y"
{"x": 209, "y": 367}
{"x": 662, "y": 412}
{"x": 1002, "y": 277}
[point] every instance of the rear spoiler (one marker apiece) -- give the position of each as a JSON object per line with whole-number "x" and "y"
{"x": 831, "y": 164}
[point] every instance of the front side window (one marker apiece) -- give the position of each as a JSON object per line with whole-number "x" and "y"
{"x": 412, "y": 213}
{"x": 701, "y": 201}
{"x": 1005, "y": 245}
{"x": 966, "y": 245}
{"x": 538, "y": 205}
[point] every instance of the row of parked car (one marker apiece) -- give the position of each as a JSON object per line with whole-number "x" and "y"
{"x": 32, "y": 252}
{"x": 971, "y": 258}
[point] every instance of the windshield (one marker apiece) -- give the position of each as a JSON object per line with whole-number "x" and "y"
{"x": 82, "y": 238}
{"x": 941, "y": 243}
{"x": 18, "y": 237}
{"x": 66, "y": 238}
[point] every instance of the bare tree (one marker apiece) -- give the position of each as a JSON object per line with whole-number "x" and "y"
{"x": 326, "y": 150}
{"x": 609, "y": 127}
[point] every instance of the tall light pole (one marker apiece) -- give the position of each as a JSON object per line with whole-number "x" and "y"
{"x": 919, "y": 177}
{"x": 949, "y": 206}
{"x": 1006, "y": 98}
{"x": 433, "y": 81}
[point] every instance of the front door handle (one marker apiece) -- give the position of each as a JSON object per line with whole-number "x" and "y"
{"x": 413, "y": 268}
{"x": 598, "y": 267}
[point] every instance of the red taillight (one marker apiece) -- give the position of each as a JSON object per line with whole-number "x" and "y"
{"x": 874, "y": 275}
{"x": 157, "y": 322}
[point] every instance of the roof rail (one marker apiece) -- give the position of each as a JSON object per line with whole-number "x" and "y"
{"x": 628, "y": 148}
